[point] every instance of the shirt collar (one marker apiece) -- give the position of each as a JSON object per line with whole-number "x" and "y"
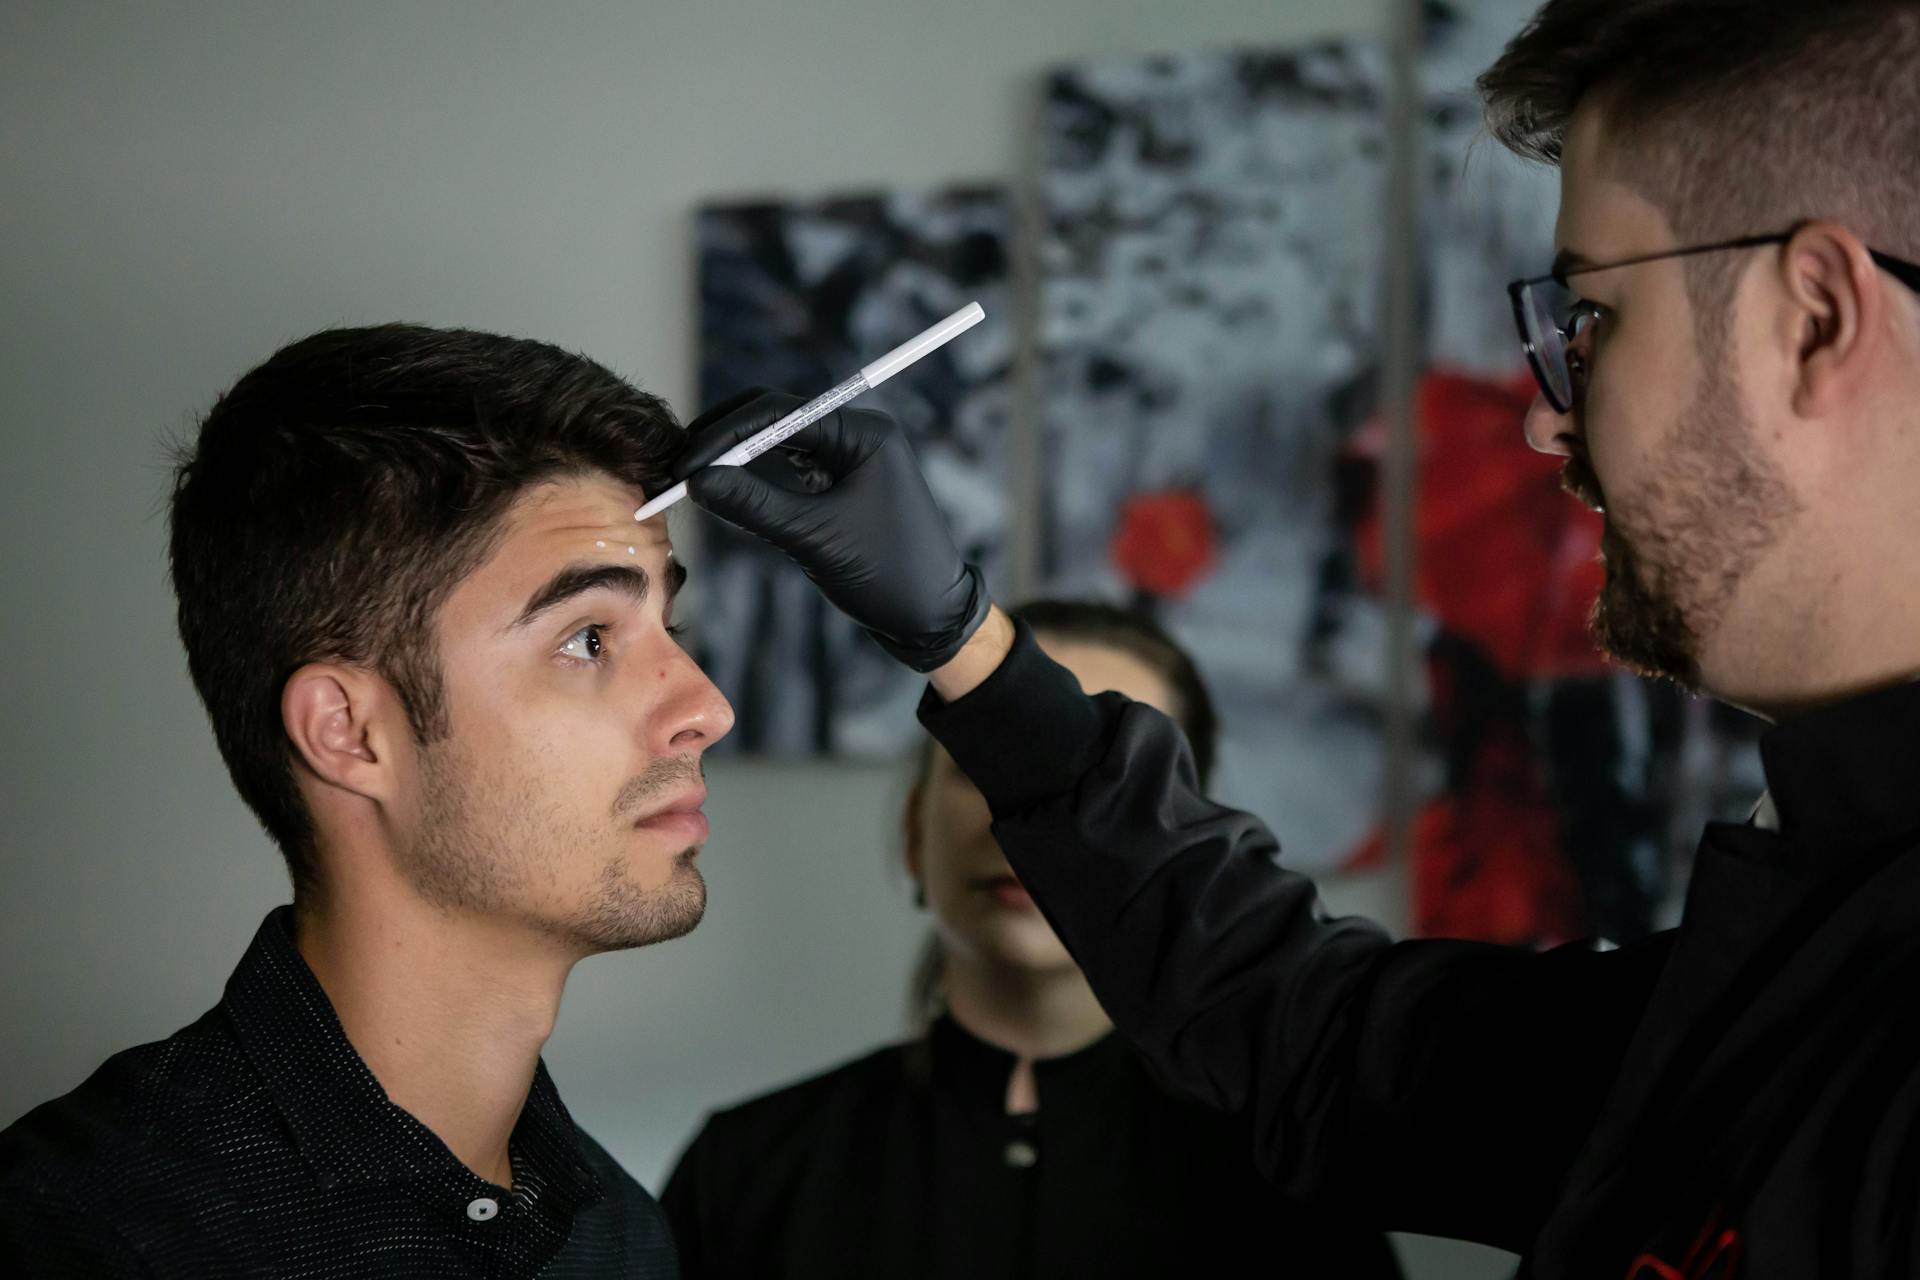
{"x": 1853, "y": 767}
{"x": 340, "y": 1117}
{"x": 977, "y": 1072}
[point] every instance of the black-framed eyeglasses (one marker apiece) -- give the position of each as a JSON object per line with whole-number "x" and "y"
{"x": 1549, "y": 318}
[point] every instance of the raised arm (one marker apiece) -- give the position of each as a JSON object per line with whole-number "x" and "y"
{"x": 1437, "y": 1086}
{"x": 1442, "y": 1087}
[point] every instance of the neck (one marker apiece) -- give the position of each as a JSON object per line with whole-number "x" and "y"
{"x": 1029, "y": 1013}
{"x": 448, "y": 1012}
{"x": 1844, "y": 640}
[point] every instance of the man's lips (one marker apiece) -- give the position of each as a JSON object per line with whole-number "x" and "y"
{"x": 1005, "y": 890}
{"x": 679, "y": 816}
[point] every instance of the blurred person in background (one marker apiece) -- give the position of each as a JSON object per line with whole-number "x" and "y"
{"x": 1016, "y": 1134}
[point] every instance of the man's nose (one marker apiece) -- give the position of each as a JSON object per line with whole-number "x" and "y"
{"x": 1549, "y": 430}
{"x": 694, "y": 714}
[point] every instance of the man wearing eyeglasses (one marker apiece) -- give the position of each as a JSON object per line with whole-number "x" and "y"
{"x": 1737, "y": 385}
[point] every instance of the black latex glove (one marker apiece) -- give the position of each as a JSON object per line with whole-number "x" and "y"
{"x": 846, "y": 500}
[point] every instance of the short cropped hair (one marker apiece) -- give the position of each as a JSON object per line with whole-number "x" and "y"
{"x": 1734, "y": 117}
{"x": 337, "y": 494}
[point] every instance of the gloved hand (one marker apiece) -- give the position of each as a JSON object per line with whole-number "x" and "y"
{"x": 846, "y": 500}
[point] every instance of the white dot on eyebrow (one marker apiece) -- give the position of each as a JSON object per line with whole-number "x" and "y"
{"x": 629, "y": 550}
{"x": 601, "y": 544}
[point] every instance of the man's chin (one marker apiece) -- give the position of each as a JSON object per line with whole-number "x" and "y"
{"x": 623, "y": 915}
{"x": 1645, "y": 636}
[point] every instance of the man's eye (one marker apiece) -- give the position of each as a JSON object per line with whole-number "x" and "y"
{"x": 1581, "y": 320}
{"x": 586, "y": 644}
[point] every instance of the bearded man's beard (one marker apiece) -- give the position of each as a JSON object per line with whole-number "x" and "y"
{"x": 1676, "y": 556}
{"x": 1637, "y": 620}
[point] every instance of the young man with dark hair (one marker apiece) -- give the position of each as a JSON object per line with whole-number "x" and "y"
{"x": 1738, "y": 387}
{"x": 438, "y": 657}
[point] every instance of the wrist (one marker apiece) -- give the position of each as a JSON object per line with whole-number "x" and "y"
{"x": 979, "y": 658}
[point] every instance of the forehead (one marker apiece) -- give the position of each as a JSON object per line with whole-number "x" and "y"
{"x": 560, "y": 523}
{"x": 1103, "y": 669}
{"x": 561, "y": 516}
{"x": 1602, "y": 216}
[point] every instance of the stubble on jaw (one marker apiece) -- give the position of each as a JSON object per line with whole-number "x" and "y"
{"x": 1677, "y": 554}
{"x": 622, "y": 915}
{"x": 483, "y": 847}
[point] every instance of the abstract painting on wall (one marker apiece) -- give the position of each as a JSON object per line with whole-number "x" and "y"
{"x": 1209, "y": 286}
{"x": 1211, "y": 274}
{"x": 797, "y": 296}
{"x": 1564, "y": 796}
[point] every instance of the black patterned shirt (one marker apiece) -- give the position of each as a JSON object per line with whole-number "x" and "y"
{"x": 255, "y": 1142}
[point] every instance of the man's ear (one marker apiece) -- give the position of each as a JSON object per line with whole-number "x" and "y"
{"x": 1838, "y": 301}
{"x": 340, "y": 721}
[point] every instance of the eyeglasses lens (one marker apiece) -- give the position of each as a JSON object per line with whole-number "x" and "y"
{"x": 1545, "y": 309}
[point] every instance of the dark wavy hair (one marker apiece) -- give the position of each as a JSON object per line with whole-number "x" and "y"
{"x": 338, "y": 493}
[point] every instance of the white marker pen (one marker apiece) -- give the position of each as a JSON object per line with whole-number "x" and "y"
{"x": 819, "y": 407}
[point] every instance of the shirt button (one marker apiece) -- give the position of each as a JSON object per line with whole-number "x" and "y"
{"x": 1021, "y": 1154}
{"x": 482, "y": 1209}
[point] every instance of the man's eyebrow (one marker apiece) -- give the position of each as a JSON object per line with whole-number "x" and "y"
{"x": 1568, "y": 260}
{"x": 578, "y": 579}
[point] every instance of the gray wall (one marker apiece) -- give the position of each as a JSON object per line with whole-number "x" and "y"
{"x": 184, "y": 188}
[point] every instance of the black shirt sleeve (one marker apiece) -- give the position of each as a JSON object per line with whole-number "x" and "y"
{"x": 1429, "y": 1086}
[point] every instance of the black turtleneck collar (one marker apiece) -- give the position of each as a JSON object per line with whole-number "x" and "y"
{"x": 1849, "y": 769}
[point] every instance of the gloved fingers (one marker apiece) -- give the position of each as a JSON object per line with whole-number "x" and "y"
{"x": 728, "y": 423}
{"x": 750, "y": 502}
{"x": 845, "y": 438}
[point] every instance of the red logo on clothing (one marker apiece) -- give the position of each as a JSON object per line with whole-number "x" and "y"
{"x": 1715, "y": 1255}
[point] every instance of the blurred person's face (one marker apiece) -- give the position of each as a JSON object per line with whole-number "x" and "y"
{"x": 980, "y": 910}
{"x": 566, "y": 795}
{"x": 1672, "y": 435}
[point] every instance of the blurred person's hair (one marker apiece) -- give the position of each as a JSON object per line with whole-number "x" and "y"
{"x": 337, "y": 494}
{"x": 1135, "y": 634}
{"x": 1733, "y": 117}
{"x": 1107, "y": 626}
